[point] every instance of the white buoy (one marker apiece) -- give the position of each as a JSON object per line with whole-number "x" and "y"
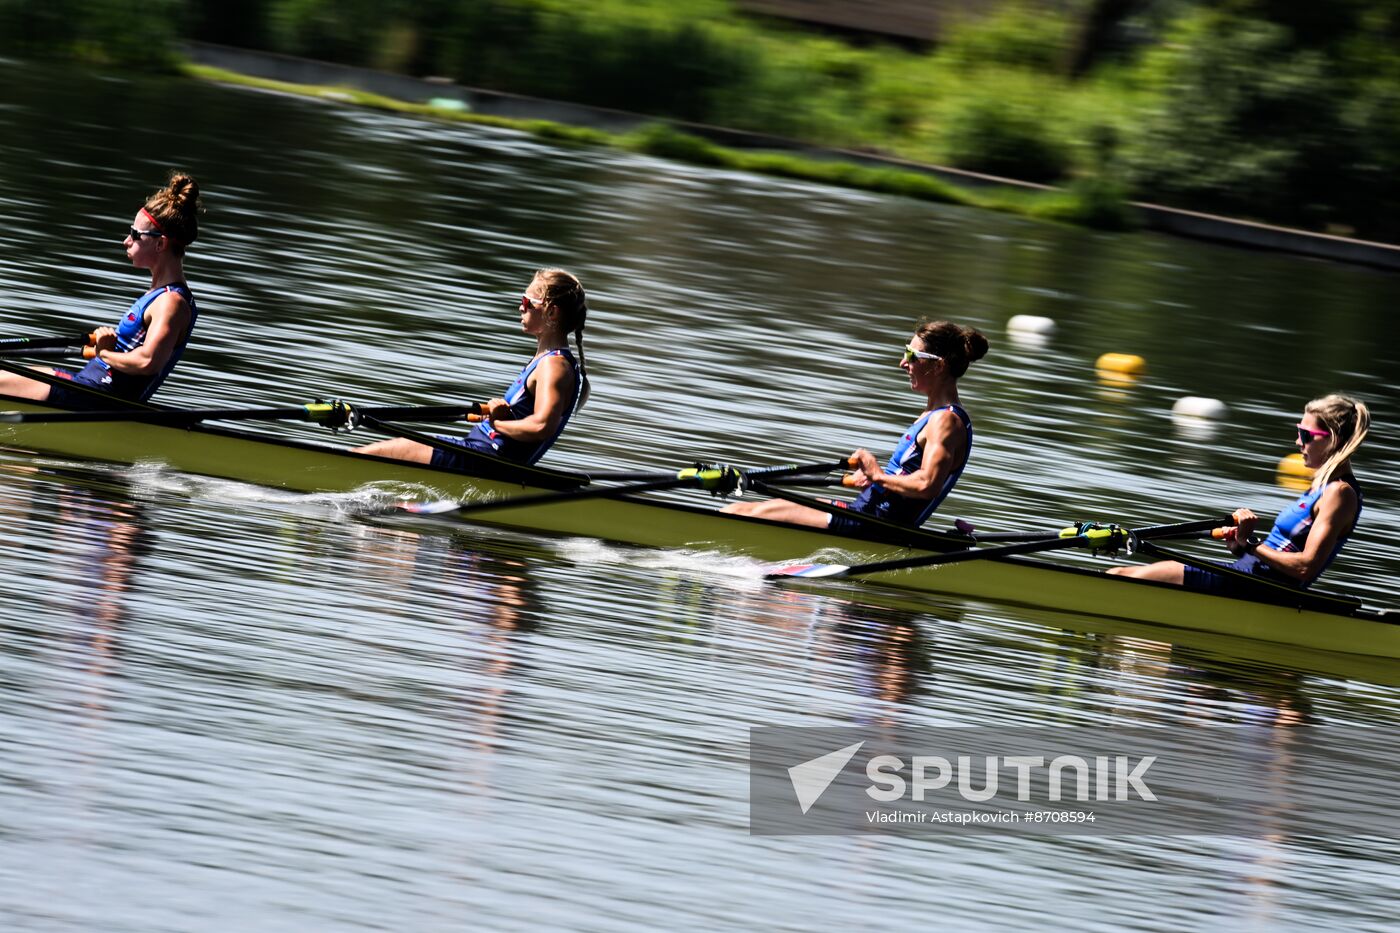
{"x": 1191, "y": 406}
{"x": 1030, "y": 324}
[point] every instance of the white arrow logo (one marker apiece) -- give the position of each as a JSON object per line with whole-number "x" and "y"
{"x": 811, "y": 778}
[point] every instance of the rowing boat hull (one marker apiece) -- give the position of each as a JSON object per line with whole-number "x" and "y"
{"x": 306, "y": 467}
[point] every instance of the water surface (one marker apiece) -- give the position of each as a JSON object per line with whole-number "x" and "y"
{"x": 232, "y": 708}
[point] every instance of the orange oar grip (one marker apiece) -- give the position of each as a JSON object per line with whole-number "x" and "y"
{"x": 1220, "y": 533}
{"x": 476, "y": 418}
{"x": 848, "y": 480}
{"x": 92, "y": 338}
{"x": 89, "y": 352}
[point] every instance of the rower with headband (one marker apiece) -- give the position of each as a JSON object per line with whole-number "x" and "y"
{"x": 130, "y": 361}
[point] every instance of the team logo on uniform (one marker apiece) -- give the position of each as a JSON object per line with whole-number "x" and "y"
{"x": 131, "y": 315}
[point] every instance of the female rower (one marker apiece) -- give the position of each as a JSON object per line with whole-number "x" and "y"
{"x": 928, "y": 460}
{"x": 1308, "y": 534}
{"x": 539, "y": 403}
{"x": 131, "y": 360}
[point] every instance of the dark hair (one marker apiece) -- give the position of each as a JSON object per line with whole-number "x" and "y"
{"x": 959, "y": 346}
{"x": 175, "y": 209}
{"x": 564, "y": 291}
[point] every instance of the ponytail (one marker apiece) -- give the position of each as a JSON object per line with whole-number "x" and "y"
{"x": 1349, "y": 420}
{"x": 585, "y": 390}
{"x": 564, "y": 291}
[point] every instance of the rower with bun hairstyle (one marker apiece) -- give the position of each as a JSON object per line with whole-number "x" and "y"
{"x": 1308, "y": 534}
{"x": 537, "y": 407}
{"x": 930, "y": 457}
{"x": 130, "y": 361}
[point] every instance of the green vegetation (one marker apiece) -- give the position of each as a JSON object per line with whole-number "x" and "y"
{"x": 1277, "y": 110}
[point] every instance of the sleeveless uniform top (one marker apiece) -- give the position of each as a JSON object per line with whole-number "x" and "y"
{"x": 484, "y": 437}
{"x": 1290, "y": 533}
{"x": 131, "y": 333}
{"x": 907, "y": 458}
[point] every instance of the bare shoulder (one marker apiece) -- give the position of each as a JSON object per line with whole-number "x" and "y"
{"x": 943, "y": 422}
{"x": 1340, "y": 495}
{"x": 172, "y": 303}
{"x": 554, "y": 369}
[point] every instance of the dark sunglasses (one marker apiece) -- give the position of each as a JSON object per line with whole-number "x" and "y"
{"x": 136, "y": 235}
{"x": 1308, "y": 435}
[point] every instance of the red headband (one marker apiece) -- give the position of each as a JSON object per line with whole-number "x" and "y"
{"x": 151, "y": 217}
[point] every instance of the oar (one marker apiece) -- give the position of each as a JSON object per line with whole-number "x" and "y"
{"x": 44, "y": 352}
{"x": 766, "y": 474}
{"x": 1087, "y": 535}
{"x": 332, "y": 414}
{"x": 1176, "y": 530}
{"x": 44, "y": 343}
{"x": 1097, "y": 538}
{"x": 718, "y": 479}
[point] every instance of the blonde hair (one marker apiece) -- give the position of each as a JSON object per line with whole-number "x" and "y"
{"x": 564, "y": 291}
{"x": 1348, "y": 420}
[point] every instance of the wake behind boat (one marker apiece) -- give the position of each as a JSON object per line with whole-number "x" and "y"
{"x": 1303, "y": 619}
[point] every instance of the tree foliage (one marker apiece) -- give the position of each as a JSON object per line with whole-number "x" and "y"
{"x": 1282, "y": 110}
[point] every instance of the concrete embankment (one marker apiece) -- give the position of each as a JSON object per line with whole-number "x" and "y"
{"x": 291, "y": 70}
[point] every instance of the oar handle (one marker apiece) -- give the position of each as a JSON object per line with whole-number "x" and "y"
{"x": 798, "y": 469}
{"x": 1180, "y": 529}
{"x": 46, "y": 343}
{"x": 41, "y": 353}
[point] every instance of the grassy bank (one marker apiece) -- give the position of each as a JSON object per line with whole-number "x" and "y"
{"x": 1079, "y": 204}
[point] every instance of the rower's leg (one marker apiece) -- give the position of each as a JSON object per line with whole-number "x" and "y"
{"x": 1164, "y": 571}
{"x": 780, "y": 510}
{"x": 15, "y": 385}
{"x": 400, "y": 448}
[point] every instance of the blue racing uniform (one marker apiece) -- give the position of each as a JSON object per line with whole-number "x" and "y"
{"x": 484, "y": 437}
{"x": 880, "y": 502}
{"x": 131, "y": 333}
{"x": 1289, "y": 534}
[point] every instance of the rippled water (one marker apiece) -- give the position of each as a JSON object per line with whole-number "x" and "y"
{"x": 229, "y": 708}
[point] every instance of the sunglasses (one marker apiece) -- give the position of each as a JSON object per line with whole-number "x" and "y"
{"x": 910, "y": 355}
{"x": 1307, "y": 435}
{"x": 136, "y": 235}
{"x": 527, "y": 303}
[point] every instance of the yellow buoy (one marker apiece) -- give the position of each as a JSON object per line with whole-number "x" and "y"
{"x": 1293, "y": 473}
{"x": 1129, "y": 364}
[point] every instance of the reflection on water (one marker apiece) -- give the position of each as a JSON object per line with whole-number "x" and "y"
{"x": 217, "y": 701}
{"x": 98, "y": 538}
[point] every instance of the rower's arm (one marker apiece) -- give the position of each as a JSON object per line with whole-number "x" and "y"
{"x": 553, "y": 387}
{"x": 944, "y": 439}
{"x": 166, "y": 319}
{"x": 1335, "y": 512}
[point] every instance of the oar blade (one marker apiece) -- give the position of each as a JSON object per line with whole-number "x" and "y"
{"x": 808, "y": 571}
{"x": 440, "y": 507}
